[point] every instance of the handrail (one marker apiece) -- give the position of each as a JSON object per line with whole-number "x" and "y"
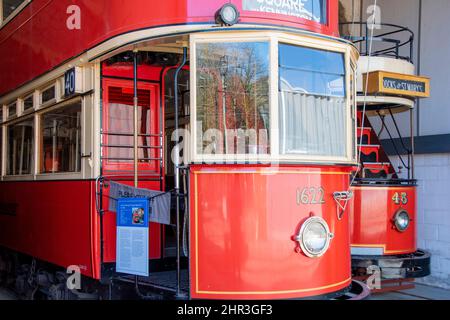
{"x": 409, "y": 152}
{"x": 390, "y": 51}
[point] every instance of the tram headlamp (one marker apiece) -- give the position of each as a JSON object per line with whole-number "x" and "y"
{"x": 227, "y": 15}
{"x": 314, "y": 237}
{"x": 402, "y": 220}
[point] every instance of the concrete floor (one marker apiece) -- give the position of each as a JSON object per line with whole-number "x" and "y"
{"x": 6, "y": 294}
{"x": 421, "y": 292}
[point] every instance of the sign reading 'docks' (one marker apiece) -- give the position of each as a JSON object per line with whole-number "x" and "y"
{"x": 307, "y": 9}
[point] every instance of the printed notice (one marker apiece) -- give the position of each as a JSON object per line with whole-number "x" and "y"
{"x": 132, "y": 236}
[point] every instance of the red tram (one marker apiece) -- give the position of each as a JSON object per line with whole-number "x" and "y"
{"x": 262, "y": 95}
{"x": 383, "y": 213}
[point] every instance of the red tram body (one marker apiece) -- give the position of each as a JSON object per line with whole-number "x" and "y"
{"x": 248, "y": 219}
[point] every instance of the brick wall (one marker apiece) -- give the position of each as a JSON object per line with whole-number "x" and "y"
{"x": 433, "y": 231}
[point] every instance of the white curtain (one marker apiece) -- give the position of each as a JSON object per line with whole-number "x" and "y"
{"x": 312, "y": 124}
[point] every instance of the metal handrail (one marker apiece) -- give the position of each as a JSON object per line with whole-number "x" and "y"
{"x": 385, "y": 37}
{"x": 409, "y": 152}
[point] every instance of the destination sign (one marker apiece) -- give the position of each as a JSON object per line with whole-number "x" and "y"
{"x": 313, "y": 10}
{"x": 382, "y": 82}
{"x": 405, "y": 85}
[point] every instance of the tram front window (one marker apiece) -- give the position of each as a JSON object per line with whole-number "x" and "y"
{"x": 233, "y": 98}
{"x": 312, "y": 102}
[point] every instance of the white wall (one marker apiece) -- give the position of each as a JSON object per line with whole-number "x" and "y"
{"x": 435, "y": 54}
{"x": 433, "y": 228}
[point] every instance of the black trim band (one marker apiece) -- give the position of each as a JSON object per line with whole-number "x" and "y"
{"x": 422, "y": 145}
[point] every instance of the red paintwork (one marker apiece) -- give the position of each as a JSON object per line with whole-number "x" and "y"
{"x": 57, "y": 222}
{"x": 371, "y": 220}
{"x": 37, "y": 40}
{"x": 112, "y": 167}
{"x": 109, "y": 227}
{"x": 242, "y": 222}
{"x": 368, "y": 149}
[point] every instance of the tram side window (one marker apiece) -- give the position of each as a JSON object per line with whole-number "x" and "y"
{"x": 9, "y": 6}
{"x": 312, "y": 106}
{"x": 233, "y": 98}
{"x": 61, "y": 139}
{"x": 20, "y": 146}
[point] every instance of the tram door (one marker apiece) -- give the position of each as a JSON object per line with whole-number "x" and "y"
{"x": 118, "y": 148}
{"x": 117, "y": 156}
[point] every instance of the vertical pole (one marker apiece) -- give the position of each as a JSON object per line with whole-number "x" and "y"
{"x": 177, "y": 170}
{"x": 411, "y": 112}
{"x": 135, "y": 120}
{"x": 54, "y": 146}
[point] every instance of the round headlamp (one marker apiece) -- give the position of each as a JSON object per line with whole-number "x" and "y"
{"x": 402, "y": 220}
{"x": 227, "y": 15}
{"x": 314, "y": 237}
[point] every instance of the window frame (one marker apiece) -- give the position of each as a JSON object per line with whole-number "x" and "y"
{"x": 9, "y": 117}
{"x": 274, "y": 39}
{"x": 4, "y": 21}
{"x": 24, "y": 111}
{"x": 41, "y": 103}
{"x": 6, "y": 149}
{"x": 39, "y": 143}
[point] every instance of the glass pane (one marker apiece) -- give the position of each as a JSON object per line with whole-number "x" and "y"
{"x": 120, "y": 125}
{"x": 314, "y": 10}
{"x": 233, "y": 98}
{"x": 12, "y": 110}
{"x": 48, "y": 94}
{"x": 20, "y": 147}
{"x": 312, "y": 82}
{"x": 312, "y": 106}
{"x": 9, "y": 6}
{"x": 308, "y": 59}
{"x": 28, "y": 103}
{"x": 61, "y": 139}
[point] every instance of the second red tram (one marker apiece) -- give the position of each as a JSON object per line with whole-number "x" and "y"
{"x": 245, "y": 112}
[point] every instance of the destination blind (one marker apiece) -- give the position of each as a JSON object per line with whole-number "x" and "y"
{"x": 314, "y": 10}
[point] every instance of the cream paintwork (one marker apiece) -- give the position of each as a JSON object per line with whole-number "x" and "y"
{"x": 383, "y": 64}
{"x": 89, "y": 63}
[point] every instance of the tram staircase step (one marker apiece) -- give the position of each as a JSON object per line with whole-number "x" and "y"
{"x": 374, "y": 162}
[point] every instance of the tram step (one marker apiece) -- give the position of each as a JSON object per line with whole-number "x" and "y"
{"x": 374, "y": 170}
{"x": 370, "y": 152}
{"x": 366, "y": 135}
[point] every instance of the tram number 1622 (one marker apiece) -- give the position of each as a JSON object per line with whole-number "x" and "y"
{"x": 310, "y": 195}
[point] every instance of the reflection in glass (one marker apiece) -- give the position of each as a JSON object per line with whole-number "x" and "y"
{"x": 20, "y": 147}
{"x": 61, "y": 140}
{"x": 48, "y": 94}
{"x": 9, "y": 6}
{"x": 28, "y": 103}
{"x": 312, "y": 106}
{"x": 12, "y": 110}
{"x": 233, "y": 98}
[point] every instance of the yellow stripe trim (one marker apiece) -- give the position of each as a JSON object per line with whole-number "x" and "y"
{"x": 275, "y": 292}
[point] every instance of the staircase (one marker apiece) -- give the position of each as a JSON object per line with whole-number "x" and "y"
{"x": 375, "y": 166}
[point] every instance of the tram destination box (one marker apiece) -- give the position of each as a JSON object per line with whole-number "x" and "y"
{"x": 381, "y": 82}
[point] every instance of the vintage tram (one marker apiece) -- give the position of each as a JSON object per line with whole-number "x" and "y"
{"x": 383, "y": 213}
{"x": 244, "y": 111}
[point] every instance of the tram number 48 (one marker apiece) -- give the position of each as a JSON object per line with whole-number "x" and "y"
{"x": 310, "y": 196}
{"x": 400, "y": 198}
